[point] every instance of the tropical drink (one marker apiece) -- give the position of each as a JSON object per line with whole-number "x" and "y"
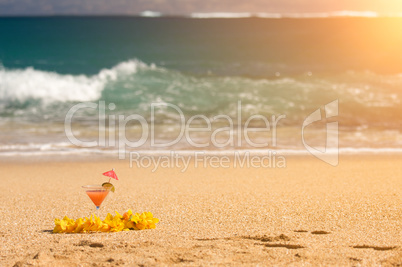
{"x": 97, "y": 196}
{"x": 98, "y": 193}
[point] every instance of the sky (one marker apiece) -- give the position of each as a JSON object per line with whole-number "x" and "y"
{"x": 185, "y": 7}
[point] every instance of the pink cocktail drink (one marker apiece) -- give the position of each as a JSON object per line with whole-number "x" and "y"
{"x": 96, "y": 193}
{"x": 97, "y": 196}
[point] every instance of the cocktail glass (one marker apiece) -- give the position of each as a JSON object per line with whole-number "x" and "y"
{"x": 96, "y": 193}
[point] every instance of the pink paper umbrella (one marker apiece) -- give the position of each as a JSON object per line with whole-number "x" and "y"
{"x": 111, "y": 174}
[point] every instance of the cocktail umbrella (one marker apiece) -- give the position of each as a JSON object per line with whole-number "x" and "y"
{"x": 111, "y": 174}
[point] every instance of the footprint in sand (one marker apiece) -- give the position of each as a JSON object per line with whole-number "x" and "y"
{"x": 265, "y": 238}
{"x": 90, "y": 244}
{"x": 268, "y": 239}
{"x": 313, "y": 232}
{"x": 283, "y": 246}
{"x": 320, "y": 233}
{"x": 374, "y": 247}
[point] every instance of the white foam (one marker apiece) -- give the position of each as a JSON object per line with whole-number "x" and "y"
{"x": 149, "y": 13}
{"x": 35, "y": 146}
{"x": 342, "y": 13}
{"x": 33, "y": 149}
{"x": 29, "y": 83}
{"x": 72, "y": 152}
{"x": 220, "y": 15}
{"x": 263, "y": 152}
{"x": 348, "y": 13}
{"x": 269, "y": 15}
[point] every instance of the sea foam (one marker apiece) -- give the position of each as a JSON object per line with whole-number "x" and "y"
{"x": 23, "y": 84}
{"x": 343, "y": 13}
{"x": 151, "y": 14}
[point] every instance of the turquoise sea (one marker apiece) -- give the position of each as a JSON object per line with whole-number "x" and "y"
{"x": 204, "y": 67}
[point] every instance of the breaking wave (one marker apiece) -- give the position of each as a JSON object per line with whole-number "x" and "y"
{"x": 365, "y": 98}
{"x": 19, "y": 85}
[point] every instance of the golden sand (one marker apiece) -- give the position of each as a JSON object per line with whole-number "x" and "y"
{"x": 306, "y": 213}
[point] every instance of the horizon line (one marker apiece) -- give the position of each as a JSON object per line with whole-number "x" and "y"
{"x": 227, "y": 15}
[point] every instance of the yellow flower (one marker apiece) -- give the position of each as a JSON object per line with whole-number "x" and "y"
{"x": 129, "y": 225}
{"x": 118, "y": 215}
{"x": 88, "y": 223}
{"x": 79, "y": 225}
{"x": 57, "y": 226}
{"x": 105, "y": 228}
{"x": 127, "y": 214}
{"x": 117, "y": 223}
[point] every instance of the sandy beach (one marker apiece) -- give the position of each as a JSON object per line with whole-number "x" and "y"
{"x": 308, "y": 213}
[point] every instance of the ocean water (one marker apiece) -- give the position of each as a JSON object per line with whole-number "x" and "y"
{"x": 207, "y": 67}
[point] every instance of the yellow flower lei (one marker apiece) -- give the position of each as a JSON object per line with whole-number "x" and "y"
{"x": 128, "y": 221}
